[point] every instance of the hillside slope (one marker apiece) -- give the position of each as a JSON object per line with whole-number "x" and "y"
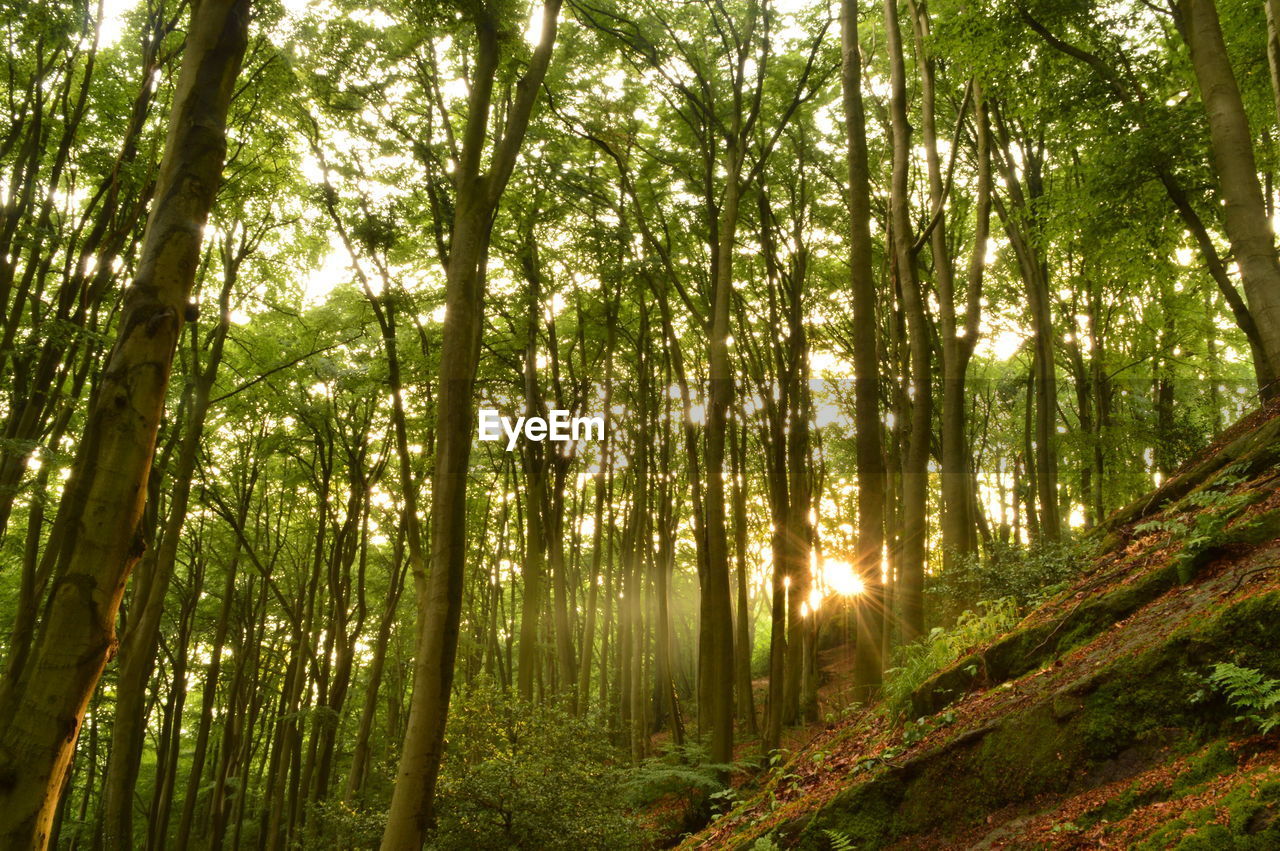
{"x": 1091, "y": 724}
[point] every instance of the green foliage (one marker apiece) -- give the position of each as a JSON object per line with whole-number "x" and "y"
{"x": 522, "y": 775}
{"x": 338, "y": 824}
{"x": 682, "y": 771}
{"x": 1214, "y": 509}
{"x": 1249, "y": 691}
{"x": 839, "y": 842}
{"x": 1027, "y": 575}
{"x": 916, "y": 662}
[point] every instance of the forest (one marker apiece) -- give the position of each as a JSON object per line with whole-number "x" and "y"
{"x": 613, "y": 424}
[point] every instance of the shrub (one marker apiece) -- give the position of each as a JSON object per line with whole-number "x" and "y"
{"x": 1028, "y": 575}
{"x": 684, "y": 771}
{"x": 523, "y": 775}
{"x": 339, "y": 824}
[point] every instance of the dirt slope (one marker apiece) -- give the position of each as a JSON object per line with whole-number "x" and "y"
{"x": 1089, "y": 725}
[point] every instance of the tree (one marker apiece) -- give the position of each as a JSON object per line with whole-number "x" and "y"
{"x": 478, "y": 192}
{"x": 97, "y": 536}
{"x": 870, "y": 457}
{"x": 1245, "y": 216}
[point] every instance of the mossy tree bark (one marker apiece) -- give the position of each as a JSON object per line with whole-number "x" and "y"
{"x": 96, "y": 534}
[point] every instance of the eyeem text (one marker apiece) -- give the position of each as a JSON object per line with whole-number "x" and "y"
{"x": 560, "y": 426}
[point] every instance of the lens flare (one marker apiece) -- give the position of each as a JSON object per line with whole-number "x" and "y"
{"x": 841, "y": 578}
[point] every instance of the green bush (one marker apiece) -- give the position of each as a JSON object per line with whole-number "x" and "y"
{"x": 684, "y": 771}
{"x": 1028, "y": 575}
{"x": 339, "y": 824}
{"x": 522, "y": 775}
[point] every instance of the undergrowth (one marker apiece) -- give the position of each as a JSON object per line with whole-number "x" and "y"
{"x": 1029, "y": 575}
{"x": 1250, "y": 692}
{"x": 1214, "y": 510}
{"x": 916, "y": 662}
{"x": 683, "y": 770}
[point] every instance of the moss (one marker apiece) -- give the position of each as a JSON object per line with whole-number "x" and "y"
{"x": 1029, "y": 648}
{"x": 1213, "y": 761}
{"x": 1144, "y": 693}
{"x": 1026, "y": 755}
{"x": 1030, "y": 754}
{"x": 1244, "y": 818}
{"x": 1113, "y": 722}
{"x": 1122, "y": 805}
{"x": 863, "y": 813}
{"x": 1139, "y": 697}
{"x": 1247, "y": 632}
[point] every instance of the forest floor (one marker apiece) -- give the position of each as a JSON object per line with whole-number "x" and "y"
{"x": 1092, "y": 724}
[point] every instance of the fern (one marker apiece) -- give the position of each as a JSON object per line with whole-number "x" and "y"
{"x": 1251, "y": 692}
{"x": 917, "y": 662}
{"x": 839, "y": 842}
{"x": 681, "y": 771}
{"x": 1206, "y": 532}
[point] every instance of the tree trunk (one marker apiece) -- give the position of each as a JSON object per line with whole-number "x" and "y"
{"x": 716, "y": 607}
{"x": 412, "y": 802}
{"x": 1021, "y": 225}
{"x": 959, "y": 530}
{"x": 1245, "y": 217}
{"x": 868, "y": 660}
{"x": 359, "y": 768}
{"x": 915, "y": 480}
{"x": 96, "y": 534}
{"x": 138, "y": 647}
{"x": 742, "y": 651}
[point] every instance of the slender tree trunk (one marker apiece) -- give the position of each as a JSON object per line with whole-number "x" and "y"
{"x": 208, "y": 697}
{"x": 412, "y": 802}
{"x": 742, "y": 651}
{"x": 915, "y": 480}
{"x": 535, "y": 468}
{"x": 597, "y": 559}
{"x": 664, "y": 564}
{"x": 1247, "y": 225}
{"x": 359, "y": 768}
{"x": 868, "y": 660}
{"x": 801, "y": 693}
{"x": 716, "y": 607}
{"x": 41, "y": 716}
{"x": 171, "y": 745}
{"x": 959, "y": 531}
{"x": 138, "y": 647}
{"x": 1021, "y": 223}
{"x": 780, "y": 589}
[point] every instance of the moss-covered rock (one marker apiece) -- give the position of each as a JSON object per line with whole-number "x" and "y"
{"x": 1120, "y": 718}
{"x": 1092, "y": 719}
{"x": 1027, "y": 649}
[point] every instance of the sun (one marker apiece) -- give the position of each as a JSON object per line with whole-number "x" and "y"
{"x": 841, "y": 578}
